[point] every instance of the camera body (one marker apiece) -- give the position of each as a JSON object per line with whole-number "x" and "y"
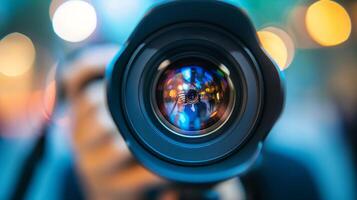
{"x": 192, "y": 92}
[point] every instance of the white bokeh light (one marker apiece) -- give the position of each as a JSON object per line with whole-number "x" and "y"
{"x": 74, "y": 20}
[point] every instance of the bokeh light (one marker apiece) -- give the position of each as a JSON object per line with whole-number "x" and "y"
{"x": 288, "y": 42}
{"x": 74, "y": 20}
{"x": 17, "y": 54}
{"x": 296, "y": 24}
{"x": 328, "y": 23}
{"x": 278, "y": 44}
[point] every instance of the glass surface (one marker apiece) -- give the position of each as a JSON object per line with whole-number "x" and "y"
{"x": 194, "y": 96}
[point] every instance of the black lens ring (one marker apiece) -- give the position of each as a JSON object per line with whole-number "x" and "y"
{"x": 187, "y": 53}
{"x": 148, "y": 81}
{"x": 177, "y": 151}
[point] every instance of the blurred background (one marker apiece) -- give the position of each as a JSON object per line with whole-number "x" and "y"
{"x": 310, "y": 154}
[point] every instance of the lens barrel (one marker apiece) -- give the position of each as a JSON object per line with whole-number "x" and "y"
{"x": 193, "y": 94}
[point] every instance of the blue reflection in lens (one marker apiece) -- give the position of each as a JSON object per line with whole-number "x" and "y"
{"x": 193, "y": 97}
{"x": 187, "y": 74}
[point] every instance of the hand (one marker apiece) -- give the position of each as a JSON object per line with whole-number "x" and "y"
{"x": 106, "y": 168}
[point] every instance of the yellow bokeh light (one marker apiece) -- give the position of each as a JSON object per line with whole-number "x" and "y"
{"x": 17, "y": 54}
{"x": 328, "y": 23}
{"x": 288, "y": 41}
{"x": 275, "y": 47}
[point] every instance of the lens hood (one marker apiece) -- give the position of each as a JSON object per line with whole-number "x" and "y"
{"x": 193, "y": 93}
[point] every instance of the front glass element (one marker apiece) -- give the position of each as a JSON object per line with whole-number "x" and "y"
{"x": 193, "y": 96}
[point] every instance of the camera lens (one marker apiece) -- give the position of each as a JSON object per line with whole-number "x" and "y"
{"x": 193, "y": 96}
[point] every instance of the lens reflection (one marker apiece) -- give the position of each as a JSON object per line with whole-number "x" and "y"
{"x": 194, "y": 96}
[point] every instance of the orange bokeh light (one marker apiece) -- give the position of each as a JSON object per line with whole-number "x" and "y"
{"x": 17, "y": 54}
{"x": 328, "y": 23}
{"x": 276, "y": 47}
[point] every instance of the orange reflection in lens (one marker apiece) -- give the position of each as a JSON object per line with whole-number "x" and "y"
{"x": 172, "y": 93}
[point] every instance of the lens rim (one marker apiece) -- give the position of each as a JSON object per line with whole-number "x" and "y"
{"x": 173, "y": 128}
{"x": 191, "y": 47}
{"x": 147, "y": 129}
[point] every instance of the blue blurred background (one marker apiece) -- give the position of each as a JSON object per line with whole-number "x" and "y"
{"x": 314, "y": 42}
